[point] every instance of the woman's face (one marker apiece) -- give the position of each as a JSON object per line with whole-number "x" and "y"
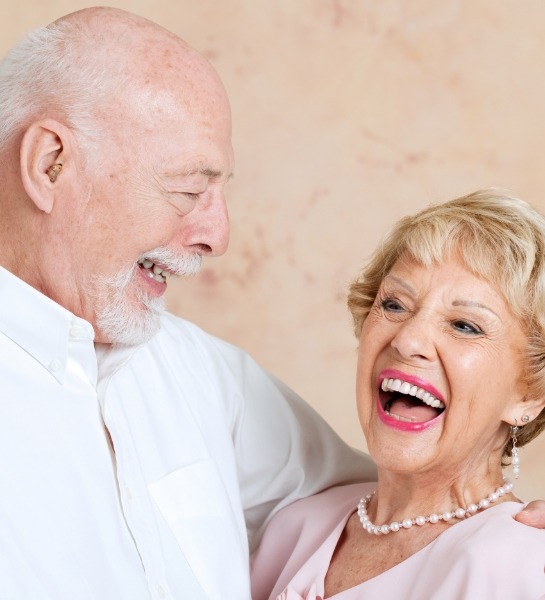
{"x": 439, "y": 370}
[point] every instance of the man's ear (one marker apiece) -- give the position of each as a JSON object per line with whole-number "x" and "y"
{"x": 44, "y": 152}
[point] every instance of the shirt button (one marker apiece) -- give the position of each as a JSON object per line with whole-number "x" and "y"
{"x": 81, "y": 331}
{"x": 129, "y": 493}
{"x": 55, "y": 365}
{"x": 161, "y": 591}
{"x": 77, "y": 331}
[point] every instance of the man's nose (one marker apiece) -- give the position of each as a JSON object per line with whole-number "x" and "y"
{"x": 208, "y": 227}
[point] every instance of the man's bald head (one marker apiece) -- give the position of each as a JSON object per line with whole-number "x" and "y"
{"x": 85, "y": 64}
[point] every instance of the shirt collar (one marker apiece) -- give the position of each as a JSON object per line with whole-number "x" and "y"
{"x": 37, "y": 324}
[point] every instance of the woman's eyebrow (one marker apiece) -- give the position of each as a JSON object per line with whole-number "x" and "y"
{"x": 473, "y": 304}
{"x": 400, "y": 282}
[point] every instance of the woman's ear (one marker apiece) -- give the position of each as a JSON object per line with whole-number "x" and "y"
{"x": 525, "y": 410}
{"x": 45, "y": 149}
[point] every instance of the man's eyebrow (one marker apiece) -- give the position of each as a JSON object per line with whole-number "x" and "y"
{"x": 212, "y": 173}
{"x": 206, "y": 171}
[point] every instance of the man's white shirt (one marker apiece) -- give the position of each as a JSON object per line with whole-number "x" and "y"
{"x": 145, "y": 477}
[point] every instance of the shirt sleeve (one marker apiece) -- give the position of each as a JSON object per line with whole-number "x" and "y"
{"x": 284, "y": 450}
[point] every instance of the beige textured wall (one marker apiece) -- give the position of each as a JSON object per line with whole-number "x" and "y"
{"x": 348, "y": 114}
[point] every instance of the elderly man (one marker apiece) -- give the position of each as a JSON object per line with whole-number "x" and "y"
{"x": 141, "y": 457}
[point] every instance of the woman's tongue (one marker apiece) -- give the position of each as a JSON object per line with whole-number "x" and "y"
{"x": 412, "y": 409}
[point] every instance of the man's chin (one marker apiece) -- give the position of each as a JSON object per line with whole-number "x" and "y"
{"x": 127, "y": 329}
{"x": 131, "y": 336}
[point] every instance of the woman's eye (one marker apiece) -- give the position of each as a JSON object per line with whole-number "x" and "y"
{"x": 391, "y": 305}
{"x": 465, "y": 327}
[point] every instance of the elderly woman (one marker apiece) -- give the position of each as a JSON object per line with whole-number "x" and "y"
{"x": 450, "y": 316}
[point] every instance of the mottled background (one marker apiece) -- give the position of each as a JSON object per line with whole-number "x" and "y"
{"x": 347, "y": 115}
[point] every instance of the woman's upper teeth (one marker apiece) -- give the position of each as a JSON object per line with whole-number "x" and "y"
{"x": 403, "y": 387}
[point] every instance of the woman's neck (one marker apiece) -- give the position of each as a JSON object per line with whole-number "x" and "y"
{"x": 400, "y": 496}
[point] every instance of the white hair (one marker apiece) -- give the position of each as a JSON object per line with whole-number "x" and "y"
{"x": 59, "y": 71}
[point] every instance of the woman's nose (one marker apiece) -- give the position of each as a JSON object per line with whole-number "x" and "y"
{"x": 415, "y": 339}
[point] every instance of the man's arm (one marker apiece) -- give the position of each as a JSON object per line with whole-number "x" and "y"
{"x": 284, "y": 450}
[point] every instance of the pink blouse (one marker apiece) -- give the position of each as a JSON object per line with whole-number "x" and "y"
{"x": 487, "y": 557}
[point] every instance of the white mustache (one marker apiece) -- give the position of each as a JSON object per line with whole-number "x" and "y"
{"x": 179, "y": 265}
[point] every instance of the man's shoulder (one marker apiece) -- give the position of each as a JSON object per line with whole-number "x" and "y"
{"x": 181, "y": 336}
{"x": 173, "y": 325}
{"x": 180, "y": 345}
{"x": 175, "y": 329}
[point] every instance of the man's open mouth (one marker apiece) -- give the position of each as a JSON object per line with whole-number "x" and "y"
{"x": 153, "y": 271}
{"x": 406, "y": 402}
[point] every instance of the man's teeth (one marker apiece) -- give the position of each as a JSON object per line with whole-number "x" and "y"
{"x": 154, "y": 272}
{"x": 403, "y": 387}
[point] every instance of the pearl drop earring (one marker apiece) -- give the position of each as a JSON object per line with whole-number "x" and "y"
{"x": 515, "y": 460}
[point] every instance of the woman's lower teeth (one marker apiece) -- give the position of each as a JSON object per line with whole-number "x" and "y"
{"x": 399, "y": 418}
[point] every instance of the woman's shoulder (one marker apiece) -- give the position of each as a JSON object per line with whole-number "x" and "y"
{"x": 490, "y": 555}
{"x": 296, "y": 531}
{"x": 498, "y": 524}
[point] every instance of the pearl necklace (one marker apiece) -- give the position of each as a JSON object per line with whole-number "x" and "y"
{"x": 457, "y": 513}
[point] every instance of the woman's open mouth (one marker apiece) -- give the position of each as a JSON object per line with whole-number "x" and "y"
{"x": 406, "y": 402}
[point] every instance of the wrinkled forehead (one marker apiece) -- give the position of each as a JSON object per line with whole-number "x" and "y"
{"x": 479, "y": 262}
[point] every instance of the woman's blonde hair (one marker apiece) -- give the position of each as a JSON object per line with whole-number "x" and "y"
{"x": 501, "y": 239}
